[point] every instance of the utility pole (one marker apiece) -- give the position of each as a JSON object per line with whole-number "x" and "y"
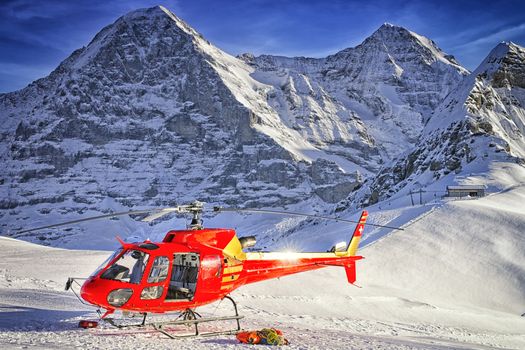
{"x": 421, "y": 196}
{"x": 411, "y": 198}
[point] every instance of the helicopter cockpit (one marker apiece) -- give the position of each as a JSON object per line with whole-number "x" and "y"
{"x": 129, "y": 267}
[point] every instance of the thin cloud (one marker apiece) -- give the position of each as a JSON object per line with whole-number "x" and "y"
{"x": 503, "y": 34}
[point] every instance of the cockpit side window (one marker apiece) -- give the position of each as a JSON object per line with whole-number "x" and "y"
{"x": 159, "y": 270}
{"x": 128, "y": 268}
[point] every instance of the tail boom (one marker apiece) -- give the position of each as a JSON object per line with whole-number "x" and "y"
{"x": 261, "y": 265}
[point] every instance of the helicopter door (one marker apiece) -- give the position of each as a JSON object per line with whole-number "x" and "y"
{"x": 184, "y": 275}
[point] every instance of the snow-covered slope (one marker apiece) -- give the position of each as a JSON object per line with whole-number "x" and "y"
{"x": 461, "y": 252}
{"x": 453, "y": 279}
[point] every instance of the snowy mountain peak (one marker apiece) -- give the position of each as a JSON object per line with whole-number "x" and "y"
{"x": 480, "y": 95}
{"x": 505, "y": 64}
{"x": 371, "y": 100}
{"x": 121, "y": 37}
{"x": 392, "y": 37}
{"x": 500, "y": 51}
{"x": 389, "y": 31}
{"x": 157, "y": 13}
{"x": 134, "y": 34}
{"x": 510, "y": 45}
{"x": 388, "y": 28}
{"x": 139, "y": 14}
{"x": 387, "y": 24}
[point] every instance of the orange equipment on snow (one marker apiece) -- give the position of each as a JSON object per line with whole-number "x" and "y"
{"x": 266, "y": 336}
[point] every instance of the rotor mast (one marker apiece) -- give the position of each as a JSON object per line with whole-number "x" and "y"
{"x": 195, "y": 209}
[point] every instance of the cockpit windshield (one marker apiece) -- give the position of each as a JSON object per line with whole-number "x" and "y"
{"x": 128, "y": 268}
{"x": 106, "y": 262}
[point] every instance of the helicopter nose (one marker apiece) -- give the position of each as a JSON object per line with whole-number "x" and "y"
{"x": 86, "y": 292}
{"x": 90, "y": 293}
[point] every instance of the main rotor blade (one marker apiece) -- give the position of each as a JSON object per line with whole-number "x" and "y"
{"x": 160, "y": 213}
{"x": 290, "y": 213}
{"x": 98, "y": 217}
{"x": 195, "y": 207}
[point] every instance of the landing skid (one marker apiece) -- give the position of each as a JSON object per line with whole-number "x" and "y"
{"x": 187, "y": 318}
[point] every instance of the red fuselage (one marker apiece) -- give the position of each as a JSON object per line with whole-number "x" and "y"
{"x": 190, "y": 269}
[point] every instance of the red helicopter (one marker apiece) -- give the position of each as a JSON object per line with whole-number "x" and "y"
{"x": 195, "y": 267}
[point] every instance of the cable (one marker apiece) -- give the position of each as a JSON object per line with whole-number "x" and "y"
{"x": 290, "y": 213}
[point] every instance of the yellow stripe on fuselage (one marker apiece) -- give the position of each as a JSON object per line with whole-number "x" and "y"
{"x": 227, "y": 286}
{"x": 230, "y": 278}
{"x": 232, "y": 269}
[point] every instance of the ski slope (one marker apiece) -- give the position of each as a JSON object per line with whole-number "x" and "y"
{"x": 453, "y": 279}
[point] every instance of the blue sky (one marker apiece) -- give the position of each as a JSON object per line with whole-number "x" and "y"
{"x": 35, "y": 36}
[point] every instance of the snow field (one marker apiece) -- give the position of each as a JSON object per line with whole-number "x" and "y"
{"x": 451, "y": 280}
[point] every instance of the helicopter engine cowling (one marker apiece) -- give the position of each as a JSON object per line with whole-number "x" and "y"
{"x": 247, "y": 241}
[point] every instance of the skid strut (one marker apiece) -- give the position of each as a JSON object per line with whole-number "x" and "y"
{"x": 188, "y": 318}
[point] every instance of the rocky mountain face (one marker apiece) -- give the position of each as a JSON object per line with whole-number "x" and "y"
{"x": 140, "y": 115}
{"x": 481, "y": 120}
{"x": 380, "y": 93}
{"x": 152, "y": 114}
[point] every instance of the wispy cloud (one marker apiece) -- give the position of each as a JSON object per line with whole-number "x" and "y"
{"x": 500, "y": 35}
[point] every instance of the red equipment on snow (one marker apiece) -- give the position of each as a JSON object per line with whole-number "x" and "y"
{"x": 266, "y": 336}
{"x": 87, "y": 324}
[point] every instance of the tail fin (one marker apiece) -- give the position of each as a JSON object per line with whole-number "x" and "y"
{"x": 352, "y": 248}
{"x": 350, "y": 273}
{"x": 356, "y": 236}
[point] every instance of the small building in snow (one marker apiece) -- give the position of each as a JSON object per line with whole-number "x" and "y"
{"x": 466, "y": 191}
